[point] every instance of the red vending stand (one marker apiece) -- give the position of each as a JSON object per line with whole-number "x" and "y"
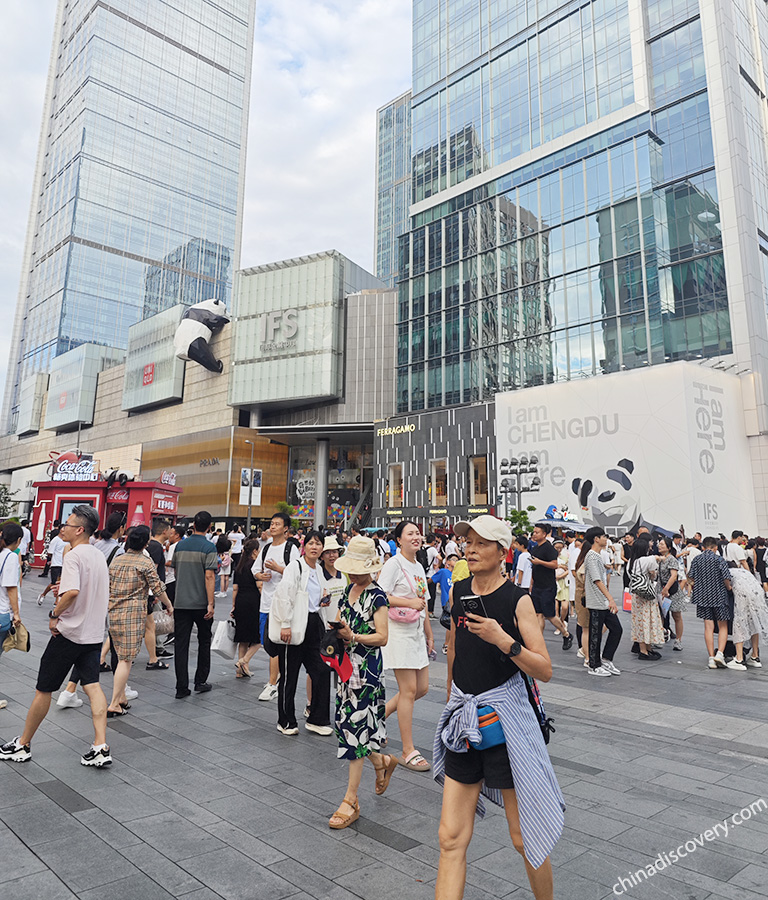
{"x": 140, "y": 501}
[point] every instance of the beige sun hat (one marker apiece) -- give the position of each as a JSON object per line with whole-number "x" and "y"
{"x": 331, "y": 543}
{"x": 360, "y": 558}
{"x": 488, "y": 527}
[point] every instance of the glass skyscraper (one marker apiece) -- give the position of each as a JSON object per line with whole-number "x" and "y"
{"x": 393, "y": 183}
{"x": 566, "y": 217}
{"x": 138, "y": 189}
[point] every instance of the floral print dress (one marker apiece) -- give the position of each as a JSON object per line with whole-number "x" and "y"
{"x": 360, "y": 702}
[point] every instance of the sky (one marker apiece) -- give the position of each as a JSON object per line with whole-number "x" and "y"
{"x": 321, "y": 69}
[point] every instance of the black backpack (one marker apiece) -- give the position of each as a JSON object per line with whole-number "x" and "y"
{"x": 289, "y": 545}
{"x": 423, "y": 558}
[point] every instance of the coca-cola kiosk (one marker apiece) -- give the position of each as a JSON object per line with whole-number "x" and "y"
{"x": 75, "y": 478}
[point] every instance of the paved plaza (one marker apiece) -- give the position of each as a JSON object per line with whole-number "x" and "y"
{"x": 206, "y": 800}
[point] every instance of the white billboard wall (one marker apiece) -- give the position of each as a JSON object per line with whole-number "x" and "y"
{"x": 666, "y": 446}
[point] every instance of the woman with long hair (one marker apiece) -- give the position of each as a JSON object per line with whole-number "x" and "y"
{"x": 246, "y": 601}
{"x": 647, "y": 627}
{"x": 669, "y": 573}
{"x": 496, "y": 642}
{"x": 132, "y": 575}
{"x": 410, "y": 641}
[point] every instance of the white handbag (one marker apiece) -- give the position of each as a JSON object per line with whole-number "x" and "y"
{"x": 299, "y": 614}
{"x": 223, "y": 642}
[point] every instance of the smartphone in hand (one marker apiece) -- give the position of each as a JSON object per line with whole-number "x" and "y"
{"x": 474, "y": 604}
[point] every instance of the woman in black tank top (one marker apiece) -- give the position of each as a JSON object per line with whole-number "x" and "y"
{"x": 484, "y": 652}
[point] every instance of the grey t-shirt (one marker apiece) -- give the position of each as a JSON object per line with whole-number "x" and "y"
{"x": 594, "y": 570}
{"x": 193, "y": 557}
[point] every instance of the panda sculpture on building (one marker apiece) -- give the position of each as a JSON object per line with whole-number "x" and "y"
{"x": 198, "y": 324}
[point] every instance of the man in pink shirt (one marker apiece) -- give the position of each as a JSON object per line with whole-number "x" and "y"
{"x": 77, "y": 630}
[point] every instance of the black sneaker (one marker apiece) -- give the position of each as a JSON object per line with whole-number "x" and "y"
{"x": 162, "y": 653}
{"x": 568, "y": 642}
{"x": 203, "y": 688}
{"x": 169, "y": 640}
{"x": 98, "y": 758}
{"x": 13, "y": 751}
{"x": 181, "y": 694}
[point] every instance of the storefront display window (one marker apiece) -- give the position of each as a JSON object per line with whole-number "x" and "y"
{"x": 438, "y": 483}
{"x": 395, "y": 486}
{"x": 478, "y": 480}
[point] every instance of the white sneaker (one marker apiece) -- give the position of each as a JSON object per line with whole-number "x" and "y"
{"x": 753, "y": 663}
{"x": 323, "y": 730}
{"x": 98, "y": 758}
{"x": 586, "y": 663}
{"x": 69, "y": 700}
{"x": 678, "y": 645}
{"x": 306, "y": 711}
{"x": 130, "y": 694}
{"x": 712, "y": 664}
{"x": 40, "y": 600}
{"x": 736, "y": 664}
{"x": 557, "y": 633}
{"x": 3, "y": 704}
{"x": 608, "y": 664}
{"x": 269, "y": 693}
{"x": 580, "y": 653}
{"x": 719, "y": 659}
{"x": 601, "y": 672}
{"x": 290, "y": 731}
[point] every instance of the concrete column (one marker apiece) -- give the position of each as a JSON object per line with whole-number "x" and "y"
{"x": 321, "y": 481}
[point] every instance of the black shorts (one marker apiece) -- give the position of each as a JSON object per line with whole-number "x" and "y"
{"x": 59, "y": 657}
{"x": 491, "y": 766}
{"x": 544, "y": 601}
{"x": 55, "y": 573}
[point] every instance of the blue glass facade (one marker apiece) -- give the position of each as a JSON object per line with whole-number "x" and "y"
{"x": 142, "y": 180}
{"x": 393, "y": 183}
{"x": 604, "y": 256}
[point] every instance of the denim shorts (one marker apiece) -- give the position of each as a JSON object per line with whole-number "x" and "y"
{"x": 263, "y": 619}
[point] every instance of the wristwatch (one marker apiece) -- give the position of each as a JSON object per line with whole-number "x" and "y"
{"x": 51, "y": 615}
{"x": 515, "y": 649}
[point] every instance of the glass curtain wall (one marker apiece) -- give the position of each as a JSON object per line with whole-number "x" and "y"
{"x": 602, "y": 257}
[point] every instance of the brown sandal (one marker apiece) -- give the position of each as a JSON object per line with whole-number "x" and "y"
{"x": 345, "y": 819}
{"x": 383, "y": 774}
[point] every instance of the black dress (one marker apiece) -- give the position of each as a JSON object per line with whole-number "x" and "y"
{"x": 247, "y": 605}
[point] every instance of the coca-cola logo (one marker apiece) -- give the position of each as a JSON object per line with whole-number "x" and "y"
{"x": 118, "y": 495}
{"x": 67, "y": 468}
{"x": 168, "y": 478}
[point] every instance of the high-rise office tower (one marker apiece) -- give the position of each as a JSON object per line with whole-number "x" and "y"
{"x": 590, "y": 194}
{"x": 137, "y": 197}
{"x": 393, "y": 183}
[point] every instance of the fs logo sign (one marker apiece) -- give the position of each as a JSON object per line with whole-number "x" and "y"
{"x": 278, "y": 330}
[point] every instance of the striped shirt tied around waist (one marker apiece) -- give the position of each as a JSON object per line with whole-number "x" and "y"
{"x": 539, "y": 799}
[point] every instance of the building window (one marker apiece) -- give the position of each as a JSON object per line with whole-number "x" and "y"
{"x": 395, "y": 486}
{"x": 438, "y": 482}
{"x": 478, "y": 480}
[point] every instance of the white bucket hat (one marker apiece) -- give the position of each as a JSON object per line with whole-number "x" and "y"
{"x": 360, "y": 558}
{"x": 488, "y": 527}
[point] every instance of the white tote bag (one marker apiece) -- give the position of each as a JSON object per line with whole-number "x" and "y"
{"x": 222, "y": 642}
{"x": 299, "y": 614}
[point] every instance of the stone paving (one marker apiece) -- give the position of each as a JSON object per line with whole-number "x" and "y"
{"x": 206, "y": 800}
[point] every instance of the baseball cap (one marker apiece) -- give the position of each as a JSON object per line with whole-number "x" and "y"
{"x": 488, "y": 527}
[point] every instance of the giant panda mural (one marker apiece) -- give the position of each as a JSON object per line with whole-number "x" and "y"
{"x": 198, "y": 324}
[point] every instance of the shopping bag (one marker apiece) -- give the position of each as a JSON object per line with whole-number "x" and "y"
{"x": 163, "y": 622}
{"x": 17, "y": 639}
{"x": 665, "y": 603}
{"x": 627, "y": 601}
{"x": 222, "y": 642}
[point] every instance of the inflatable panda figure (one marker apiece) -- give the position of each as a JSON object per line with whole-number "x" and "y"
{"x": 121, "y": 476}
{"x": 198, "y": 324}
{"x": 613, "y": 506}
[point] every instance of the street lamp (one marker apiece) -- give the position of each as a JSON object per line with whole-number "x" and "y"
{"x": 515, "y": 479}
{"x": 250, "y": 493}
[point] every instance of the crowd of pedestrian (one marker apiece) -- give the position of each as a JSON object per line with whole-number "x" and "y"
{"x": 347, "y": 607}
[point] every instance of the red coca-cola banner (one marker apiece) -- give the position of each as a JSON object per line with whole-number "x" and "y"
{"x": 165, "y": 502}
{"x": 117, "y": 495}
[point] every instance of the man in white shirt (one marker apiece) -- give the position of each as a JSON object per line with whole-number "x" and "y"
{"x": 451, "y": 547}
{"x": 26, "y": 541}
{"x": 56, "y": 549}
{"x": 268, "y": 571}
{"x": 237, "y": 539}
{"x": 735, "y": 552}
{"x": 524, "y": 570}
{"x": 433, "y": 566}
{"x": 574, "y": 549}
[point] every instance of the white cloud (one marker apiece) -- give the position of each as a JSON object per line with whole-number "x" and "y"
{"x": 320, "y": 71}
